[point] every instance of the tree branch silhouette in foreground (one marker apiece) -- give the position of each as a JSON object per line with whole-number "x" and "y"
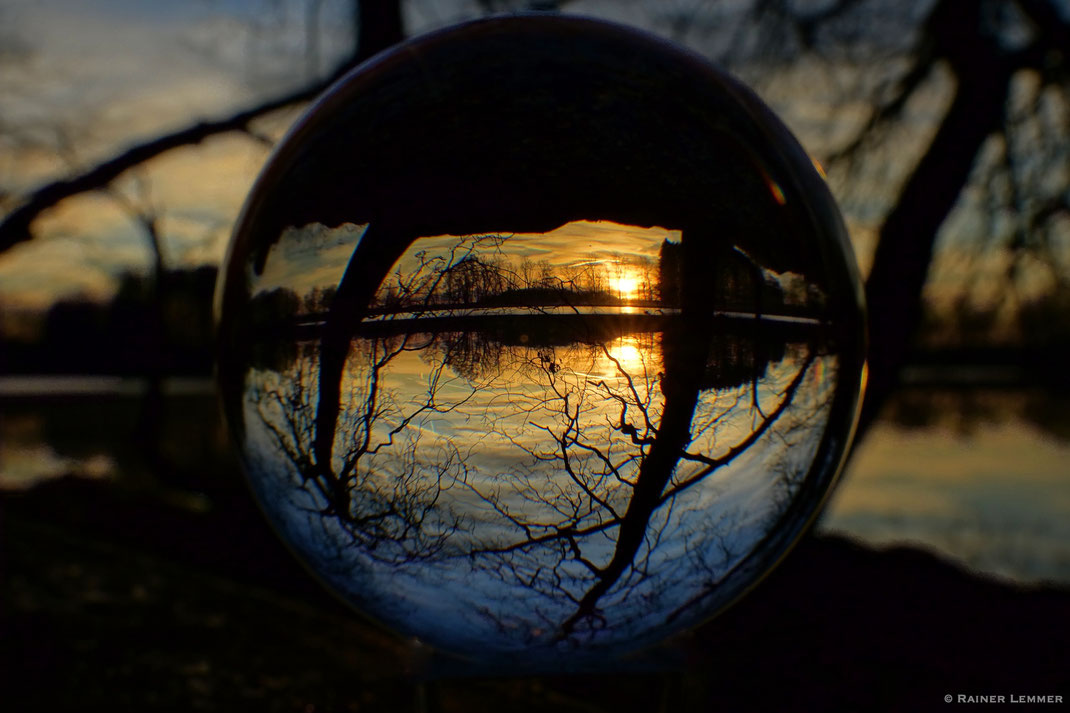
{"x": 378, "y": 27}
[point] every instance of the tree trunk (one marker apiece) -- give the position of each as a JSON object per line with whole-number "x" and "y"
{"x": 905, "y": 248}
{"x": 378, "y": 26}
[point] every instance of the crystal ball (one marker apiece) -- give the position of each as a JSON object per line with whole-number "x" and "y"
{"x": 541, "y": 340}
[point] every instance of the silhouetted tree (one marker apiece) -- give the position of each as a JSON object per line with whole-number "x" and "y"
{"x": 599, "y": 496}
{"x": 382, "y": 489}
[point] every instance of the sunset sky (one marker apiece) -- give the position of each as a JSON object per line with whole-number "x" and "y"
{"x": 87, "y": 80}
{"x": 97, "y": 77}
{"x": 82, "y": 81}
{"x": 316, "y": 256}
{"x": 605, "y": 245}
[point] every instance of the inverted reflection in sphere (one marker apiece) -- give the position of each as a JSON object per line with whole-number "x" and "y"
{"x": 541, "y": 340}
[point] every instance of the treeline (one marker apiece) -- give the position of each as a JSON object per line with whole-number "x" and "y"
{"x": 489, "y": 281}
{"x": 1030, "y": 339}
{"x": 492, "y": 280}
{"x": 1041, "y": 322}
{"x": 147, "y": 328}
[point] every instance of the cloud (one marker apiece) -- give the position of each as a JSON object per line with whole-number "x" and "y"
{"x": 578, "y": 242}
{"x": 308, "y": 257}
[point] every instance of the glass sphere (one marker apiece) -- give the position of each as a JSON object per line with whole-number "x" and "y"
{"x": 541, "y": 339}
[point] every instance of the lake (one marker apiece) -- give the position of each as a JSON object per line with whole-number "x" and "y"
{"x": 991, "y": 493}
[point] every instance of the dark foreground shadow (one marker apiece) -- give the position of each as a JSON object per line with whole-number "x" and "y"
{"x": 119, "y": 603}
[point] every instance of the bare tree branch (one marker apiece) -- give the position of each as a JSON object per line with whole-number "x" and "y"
{"x": 15, "y": 227}
{"x": 378, "y": 26}
{"x": 891, "y": 109}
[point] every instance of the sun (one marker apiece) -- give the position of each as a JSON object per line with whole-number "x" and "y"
{"x": 626, "y": 287}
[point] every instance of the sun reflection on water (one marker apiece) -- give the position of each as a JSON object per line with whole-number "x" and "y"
{"x": 629, "y": 356}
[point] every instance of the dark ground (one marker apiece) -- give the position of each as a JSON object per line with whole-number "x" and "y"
{"x": 120, "y": 598}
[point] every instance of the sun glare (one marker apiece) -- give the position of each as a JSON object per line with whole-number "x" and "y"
{"x": 627, "y": 287}
{"x": 628, "y": 356}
